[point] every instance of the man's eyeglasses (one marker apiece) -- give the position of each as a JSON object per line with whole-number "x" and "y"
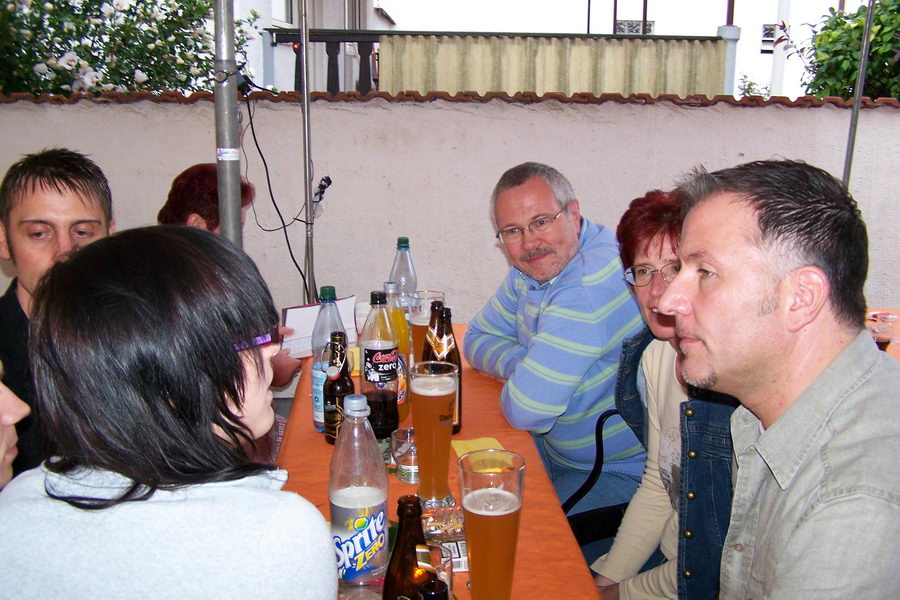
{"x": 273, "y": 336}
{"x": 641, "y": 276}
{"x": 514, "y": 234}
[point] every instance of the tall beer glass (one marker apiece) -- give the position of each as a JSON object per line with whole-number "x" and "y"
{"x": 432, "y": 389}
{"x": 419, "y": 315}
{"x": 492, "y": 483}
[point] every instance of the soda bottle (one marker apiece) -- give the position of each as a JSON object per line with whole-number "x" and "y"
{"x": 441, "y": 345}
{"x": 337, "y": 385}
{"x": 436, "y": 307}
{"x": 379, "y": 360}
{"x": 357, "y": 494}
{"x": 397, "y": 315}
{"x": 410, "y": 563}
{"x": 403, "y": 271}
{"x": 327, "y": 321}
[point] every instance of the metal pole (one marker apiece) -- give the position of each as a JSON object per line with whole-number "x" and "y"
{"x": 309, "y": 293}
{"x": 857, "y": 94}
{"x": 228, "y": 156}
{"x": 615, "y": 15}
{"x": 589, "y": 18}
{"x": 644, "y": 20}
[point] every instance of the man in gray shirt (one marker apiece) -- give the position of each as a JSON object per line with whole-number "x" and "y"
{"x": 769, "y": 307}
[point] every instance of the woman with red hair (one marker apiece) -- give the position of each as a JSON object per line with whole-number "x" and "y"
{"x": 194, "y": 199}
{"x": 682, "y": 505}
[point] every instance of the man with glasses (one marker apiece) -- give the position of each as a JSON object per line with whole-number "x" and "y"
{"x": 554, "y": 332}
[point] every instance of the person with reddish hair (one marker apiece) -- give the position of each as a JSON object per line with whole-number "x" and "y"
{"x": 194, "y": 199}
{"x": 682, "y": 505}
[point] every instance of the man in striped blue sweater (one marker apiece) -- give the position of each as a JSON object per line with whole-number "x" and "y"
{"x": 554, "y": 332}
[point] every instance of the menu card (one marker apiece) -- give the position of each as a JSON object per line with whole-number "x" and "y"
{"x": 302, "y": 319}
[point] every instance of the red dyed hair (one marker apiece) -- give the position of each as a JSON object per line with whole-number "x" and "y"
{"x": 196, "y": 190}
{"x": 656, "y": 215}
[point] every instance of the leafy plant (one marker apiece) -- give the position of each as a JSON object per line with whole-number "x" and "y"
{"x": 66, "y": 46}
{"x": 748, "y": 87}
{"x": 832, "y": 57}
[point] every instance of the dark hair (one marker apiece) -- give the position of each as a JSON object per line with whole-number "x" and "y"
{"x": 656, "y": 214}
{"x": 134, "y": 358}
{"x": 519, "y": 174}
{"x": 196, "y": 190}
{"x": 59, "y": 169}
{"x": 805, "y": 216}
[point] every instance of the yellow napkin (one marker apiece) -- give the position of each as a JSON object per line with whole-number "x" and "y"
{"x": 463, "y": 446}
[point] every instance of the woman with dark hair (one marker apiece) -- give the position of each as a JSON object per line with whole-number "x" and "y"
{"x": 682, "y": 505}
{"x": 151, "y": 357}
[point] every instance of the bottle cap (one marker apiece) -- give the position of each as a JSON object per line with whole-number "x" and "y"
{"x": 326, "y": 293}
{"x": 403, "y": 242}
{"x": 391, "y": 287}
{"x": 356, "y": 405}
{"x": 436, "y": 305}
{"x": 332, "y": 372}
{"x": 377, "y": 297}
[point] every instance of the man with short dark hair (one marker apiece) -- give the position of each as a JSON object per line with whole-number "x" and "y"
{"x": 554, "y": 332}
{"x": 51, "y": 203}
{"x": 769, "y": 307}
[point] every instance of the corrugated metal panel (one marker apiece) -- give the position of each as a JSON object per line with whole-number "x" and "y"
{"x": 482, "y": 64}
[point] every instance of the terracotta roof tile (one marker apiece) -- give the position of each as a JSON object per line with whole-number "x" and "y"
{"x": 414, "y": 96}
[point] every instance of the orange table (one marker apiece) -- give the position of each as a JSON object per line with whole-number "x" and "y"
{"x": 549, "y": 563}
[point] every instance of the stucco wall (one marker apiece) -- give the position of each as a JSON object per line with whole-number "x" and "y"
{"x": 426, "y": 170}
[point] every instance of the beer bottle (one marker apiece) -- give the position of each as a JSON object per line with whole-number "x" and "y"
{"x": 434, "y": 590}
{"x": 337, "y": 386}
{"x": 442, "y": 346}
{"x": 410, "y": 563}
{"x": 436, "y": 307}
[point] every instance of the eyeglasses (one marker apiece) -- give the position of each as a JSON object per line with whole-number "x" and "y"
{"x": 514, "y": 234}
{"x": 641, "y": 276}
{"x": 273, "y": 336}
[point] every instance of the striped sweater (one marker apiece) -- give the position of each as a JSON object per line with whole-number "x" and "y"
{"x": 557, "y": 345}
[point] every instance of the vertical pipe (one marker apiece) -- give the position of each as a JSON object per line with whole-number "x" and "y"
{"x": 309, "y": 292}
{"x": 857, "y": 94}
{"x": 729, "y": 13}
{"x": 615, "y": 15}
{"x": 731, "y": 35}
{"x": 589, "y": 18}
{"x": 779, "y": 52}
{"x": 644, "y": 20}
{"x": 228, "y": 158}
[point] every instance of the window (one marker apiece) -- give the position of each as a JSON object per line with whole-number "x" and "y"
{"x": 625, "y": 27}
{"x": 283, "y": 11}
{"x": 767, "y": 43}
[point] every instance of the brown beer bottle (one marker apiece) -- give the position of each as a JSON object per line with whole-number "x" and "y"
{"x": 406, "y": 571}
{"x": 436, "y": 307}
{"x": 337, "y": 385}
{"x": 434, "y": 590}
{"x": 442, "y": 346}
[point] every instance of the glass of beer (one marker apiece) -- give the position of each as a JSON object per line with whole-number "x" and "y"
{"x": 432, "y": 390}
{"x": 419, "y": 316}
{"x": 492, "y": 482}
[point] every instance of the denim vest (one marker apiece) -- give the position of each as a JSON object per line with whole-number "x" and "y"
{"x": 706, "y": 458}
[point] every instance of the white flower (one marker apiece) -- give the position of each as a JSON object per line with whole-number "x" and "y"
{"x": 68, "y": 60}
{"x": 11, "y": 7}
{"x": 78, "y": 85}
{"x": 68, "y": 26}
{"x": 47, "y": 6}
{"x": 57, "y": 40}
{"x": 195, "y": 71}
{"x": 140, "y": 76}
{"x": 107, "y": 9}
{"x": 171, "y": 38}
{"x": 179, "y": 60}
{"x": 180, "y": 76}
{"x": 119, "y": 19}
{"x": 51, "y": 62}
{"x": 121, "y": 88}
{"x": 85, "y": 42}
{"x": 95, "y": 21}
{"x": 122, "y": 4}
{"x": 40, "y": 68}
{"x": 51, "y": 75}
{"x": 91, "y": 78}
{"x": 65, "y": 86}
{"x": 25, "y": 2}
{"x": 25, "y": 33}
{"x": 151, "y": 46}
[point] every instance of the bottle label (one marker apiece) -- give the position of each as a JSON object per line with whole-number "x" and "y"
{"x": 318, "y": 401}
{"x": 402, "y": 384}
{"x": 360, "y": 541}
{"x": 380, "y": 365}
{"x": 442, "y": 345}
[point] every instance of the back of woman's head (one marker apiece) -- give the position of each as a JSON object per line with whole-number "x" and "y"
{"x": 196, "y": 191}
{"x": 655, "y": 216}
{"x": 134, "y": 356}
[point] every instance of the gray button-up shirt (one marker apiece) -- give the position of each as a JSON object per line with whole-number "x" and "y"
{"x": 816, "y": 509}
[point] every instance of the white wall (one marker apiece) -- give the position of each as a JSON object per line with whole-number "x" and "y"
{"x": 426, "y": 170}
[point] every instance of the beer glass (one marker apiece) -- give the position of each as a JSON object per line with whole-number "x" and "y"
{"x": 432, "y": 390}
{"x": 419, "y": 315}
{"x": 492, "y": 482}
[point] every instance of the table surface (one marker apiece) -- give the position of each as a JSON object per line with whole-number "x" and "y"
{"x": 548, "y": 563}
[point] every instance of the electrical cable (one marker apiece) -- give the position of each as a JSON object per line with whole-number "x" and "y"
{"x": 284, "y": 226}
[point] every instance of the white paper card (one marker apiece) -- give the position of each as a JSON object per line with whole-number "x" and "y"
{"x": 302, "y": 319}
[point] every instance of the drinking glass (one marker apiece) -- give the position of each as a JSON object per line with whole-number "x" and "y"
{"x": 432, "y": 390}
{"x": 419, "y": 316}
{"x": 492, "y": 483}
{"x": 404, "y": 451}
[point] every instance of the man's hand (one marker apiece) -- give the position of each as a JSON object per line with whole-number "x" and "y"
{"x": 609, "y": 589}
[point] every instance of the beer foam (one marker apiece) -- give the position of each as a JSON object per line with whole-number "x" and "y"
{"x": 432, "y": 386}
{"x": 491, "y": 502}
{"x": 423, "y": 318}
